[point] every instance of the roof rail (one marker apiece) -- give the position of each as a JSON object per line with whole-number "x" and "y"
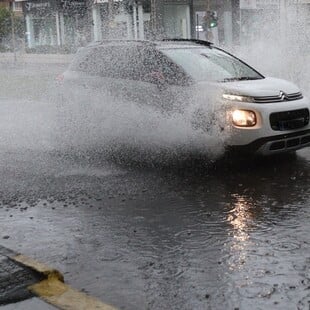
{"x": 202, "y": 42}
{"x": 118, "y": 41}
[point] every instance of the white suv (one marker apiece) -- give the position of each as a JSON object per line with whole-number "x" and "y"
{"x": 261, "y": 115}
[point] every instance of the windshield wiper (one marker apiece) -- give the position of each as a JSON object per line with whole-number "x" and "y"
{"x": 241, "y": 78}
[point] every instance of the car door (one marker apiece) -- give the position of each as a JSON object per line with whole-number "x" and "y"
{"x": 127, "y": 80}
{"x": 157, "y": 82}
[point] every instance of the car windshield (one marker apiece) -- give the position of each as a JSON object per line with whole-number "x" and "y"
{"x": 209, "y": 64}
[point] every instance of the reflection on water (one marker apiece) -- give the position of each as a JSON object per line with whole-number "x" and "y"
{"x": 239, "y": 218}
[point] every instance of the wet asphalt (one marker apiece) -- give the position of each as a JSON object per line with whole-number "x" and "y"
{"x": 138, "y": 234}
{"x": 223, "y": 238}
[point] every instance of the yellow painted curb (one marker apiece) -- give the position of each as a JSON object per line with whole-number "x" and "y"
{"x": 39, "y": 267}
{"x": 64, "y": 297}
{"x": 55, "y": 292}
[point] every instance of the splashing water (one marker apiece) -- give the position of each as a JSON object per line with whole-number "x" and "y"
{"x": 92, "y": 119}
{"x": 278, "y": 43}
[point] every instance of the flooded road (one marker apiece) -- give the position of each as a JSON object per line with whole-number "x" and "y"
{"x": 227, "y": 234}
{"x": 221, "y": 238}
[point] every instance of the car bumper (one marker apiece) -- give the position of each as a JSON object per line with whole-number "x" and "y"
{"x": 261, "y": 138}
{"x": 275, "y": 144}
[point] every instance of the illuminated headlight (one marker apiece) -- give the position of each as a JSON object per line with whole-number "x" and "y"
{"x": 244, "y": 118}
{"x": 238, "y": 98}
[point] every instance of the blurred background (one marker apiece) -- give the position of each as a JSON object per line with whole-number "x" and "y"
{"x": 273, "y": 35}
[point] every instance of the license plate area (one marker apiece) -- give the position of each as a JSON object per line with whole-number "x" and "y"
{"x": 292, "y": 124}
{"x": 289, "y": 120}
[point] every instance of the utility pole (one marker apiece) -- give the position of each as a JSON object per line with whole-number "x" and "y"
{"x": 283, "y": 35}
{"x": 110, "y": 16}
{"x": 209, "y": 35}
{"x": 111, "y": 8}
{"x": 13, "y": 31}
{"x": 283, "y": 21}
{"x": 208, "y": 6}
{"x": 157, "y": 12}
{"x": 228, "y": 23}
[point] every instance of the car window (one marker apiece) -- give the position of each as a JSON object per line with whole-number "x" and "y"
{"x": 206, "y": 64}
{"x": 109, "y": 61}
{"x": 129, "y": 62}
{"x": 155, "y": 62}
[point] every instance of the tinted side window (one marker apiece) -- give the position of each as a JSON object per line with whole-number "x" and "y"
{"x": 156, "y": 62}
{"x": 109, "y": 61}
{"x": 129, "y": 62}
{"x": 120, "y": 62}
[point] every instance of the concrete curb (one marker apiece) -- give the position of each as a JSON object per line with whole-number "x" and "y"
{"x": 52, "y": 288}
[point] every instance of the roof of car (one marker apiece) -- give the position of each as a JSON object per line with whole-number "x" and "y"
{"x": 169, "y": 43}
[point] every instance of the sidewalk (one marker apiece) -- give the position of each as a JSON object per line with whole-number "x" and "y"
{"x": 22, "y": 58}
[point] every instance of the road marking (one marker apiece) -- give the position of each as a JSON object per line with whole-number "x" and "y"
{"x": 54, "y": 291}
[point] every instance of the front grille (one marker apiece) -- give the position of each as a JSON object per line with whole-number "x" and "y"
{"x": 287, "y": 144}
{"x": 279, "y": 145}
{"x": 305, "y": 140}
{"x": 278, "y": 98}
{"x": 289, "y": 120}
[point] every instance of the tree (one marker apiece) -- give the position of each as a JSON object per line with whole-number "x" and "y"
{"x": 5, "y": 23}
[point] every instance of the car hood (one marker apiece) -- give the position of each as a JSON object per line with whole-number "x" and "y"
{"x": 256, "y": 88}
{"x": 260, "y": 88}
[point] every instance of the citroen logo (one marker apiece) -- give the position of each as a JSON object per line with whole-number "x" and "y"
{"x": 283, "y": 96}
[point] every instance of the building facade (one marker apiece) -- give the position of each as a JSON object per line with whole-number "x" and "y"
{"x": 56, "y": 22}
{"x": 74, "y": 23}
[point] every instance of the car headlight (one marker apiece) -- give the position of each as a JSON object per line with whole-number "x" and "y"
{"x": 238, "y": 98}
{"x": 244, "y": 118}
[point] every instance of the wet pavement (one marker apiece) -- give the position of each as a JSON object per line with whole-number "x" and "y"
{"x": 185, "y": 234}
{"x": 226, "y": 237}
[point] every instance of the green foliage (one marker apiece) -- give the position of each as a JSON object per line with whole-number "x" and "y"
{"x": 6, "y": 24}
